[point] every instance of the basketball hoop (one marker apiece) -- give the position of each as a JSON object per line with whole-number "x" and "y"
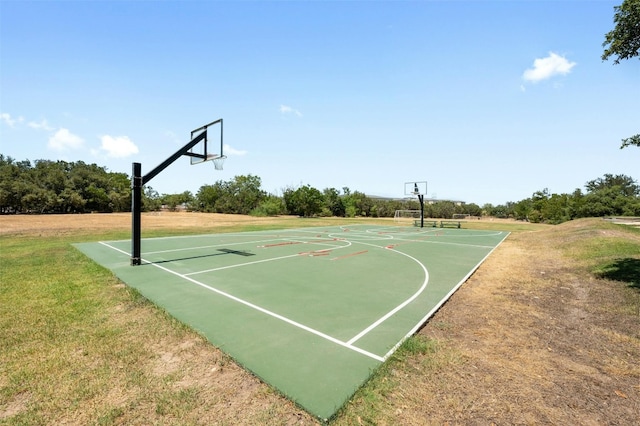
{"x": 218, "y": 162}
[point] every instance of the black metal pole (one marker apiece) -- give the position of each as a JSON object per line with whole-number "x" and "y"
{"x": 136, "y": 206}
{"x": 138, "y": 181}
{"x": 421, "y": 198}
{"x": 182, "y": 151}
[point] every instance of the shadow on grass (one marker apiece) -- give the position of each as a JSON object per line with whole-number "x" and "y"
{"x": 626, "y": 270}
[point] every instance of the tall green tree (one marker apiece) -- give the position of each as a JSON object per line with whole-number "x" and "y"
{"x": 633, "y": 140}
{"x": 623, "y": 42}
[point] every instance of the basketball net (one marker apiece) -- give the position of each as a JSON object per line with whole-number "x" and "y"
{"x": 218, "y": 162}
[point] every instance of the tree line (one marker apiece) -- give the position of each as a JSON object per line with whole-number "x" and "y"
{"x": 61, "y": 187}
{"x": 46, "y": 186}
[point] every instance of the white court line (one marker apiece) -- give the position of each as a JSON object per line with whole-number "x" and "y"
{"x": 260, "y": 309}
{"x": 400, "y": 306}
{"x": 442, "y": 301}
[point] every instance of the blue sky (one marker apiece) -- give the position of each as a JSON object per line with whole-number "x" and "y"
{"x": 488, "y": 101}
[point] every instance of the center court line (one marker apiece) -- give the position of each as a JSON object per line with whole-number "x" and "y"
{"x": 260, "y": 309}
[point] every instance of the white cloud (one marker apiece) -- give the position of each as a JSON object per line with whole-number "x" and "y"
{"x": 118, "y": 147}
{"x": 41, "y": 125}
{"x": 545, "y": 68}
{"x": 285, "y": 109}
{"x": 10, "y": 121}
{"x": 63, "y": 140}
{"x": 228, "y": 150}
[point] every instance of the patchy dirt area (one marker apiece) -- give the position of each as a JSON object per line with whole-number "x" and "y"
{"x": 531, "y": 338}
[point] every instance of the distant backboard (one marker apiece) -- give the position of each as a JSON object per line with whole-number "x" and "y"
{"x": 415, "y": 188}
{"x": 211, "y": 146}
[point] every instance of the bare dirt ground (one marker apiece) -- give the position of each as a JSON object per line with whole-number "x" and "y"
{"x": 531, "y": 338}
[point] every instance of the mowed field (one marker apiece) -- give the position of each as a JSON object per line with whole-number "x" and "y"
{"x": 545, "y": 332}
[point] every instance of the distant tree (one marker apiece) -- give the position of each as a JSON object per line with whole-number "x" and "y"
{"x": 472, "y": 209}
{"x": 60, "y": 187}
{"x": 305, "y": 201}
{"x": 243, "y": 194}
{"x": 625, "y": 185}
{"x": 538, "y": 202}
{"x": 443, "y": 209}
{"x": 207, "y": 197}
{"x": 522, "y": 209}
{"x": 271, "y": 205}
{"x": 576, "y": 204}
{"x": 556, "y": 209}
{"x": 172, "y": 201}
{"x": 150, "y": 199}
{"x": 119, "y": 185}
{"x": 333, "y": 202}
{"x": 356, "y": 203}
{"x": 501, "y": 211}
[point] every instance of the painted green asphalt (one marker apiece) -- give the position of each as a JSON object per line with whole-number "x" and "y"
{"x": 310, "y": 311}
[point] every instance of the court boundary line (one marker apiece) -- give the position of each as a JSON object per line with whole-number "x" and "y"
{"x": 443, "y": 300}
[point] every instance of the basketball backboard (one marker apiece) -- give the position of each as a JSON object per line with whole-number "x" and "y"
{"x": 211, "y": 147}
{"x": 415, "y": 188}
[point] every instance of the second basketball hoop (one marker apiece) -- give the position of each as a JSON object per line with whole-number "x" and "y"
{"x": 415, "y": 188}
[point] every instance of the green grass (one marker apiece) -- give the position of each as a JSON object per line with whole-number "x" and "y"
{"x": 63, "y": 347}
{"x": 54, "y": 307}
{"x": 607, "y": 251}
{"x": 621, "y": 269}
{"x": 608, "y": 254}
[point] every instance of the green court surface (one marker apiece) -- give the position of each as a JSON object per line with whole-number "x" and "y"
{"x": 311, "y": 311}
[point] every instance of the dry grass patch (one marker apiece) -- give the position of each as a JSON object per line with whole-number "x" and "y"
{"x": 535, "y": 343}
